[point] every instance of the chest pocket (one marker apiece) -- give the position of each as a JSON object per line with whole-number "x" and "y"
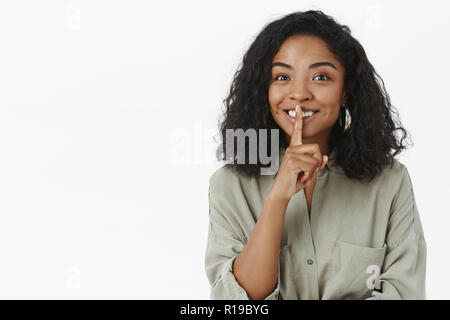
{"x": 356, "y": 270}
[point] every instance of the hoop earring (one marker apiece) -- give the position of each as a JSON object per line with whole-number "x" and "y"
{"x": 345, "y": 119}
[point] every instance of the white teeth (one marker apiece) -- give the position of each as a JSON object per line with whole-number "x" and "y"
{"x": 292, "y": 114}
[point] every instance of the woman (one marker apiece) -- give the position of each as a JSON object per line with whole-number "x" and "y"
{"x": 339, "y": 219}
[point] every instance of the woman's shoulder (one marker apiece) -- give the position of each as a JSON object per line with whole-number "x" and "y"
{"x": 396, "y": 171}
{"x": 231, "y": 183}
{"x": 227, "y": 177}
{"x": 395, "y": 176}
{"x": 224, "y": 173}
{"x": 396, "y": 168}
{"x": 390, "y": 179}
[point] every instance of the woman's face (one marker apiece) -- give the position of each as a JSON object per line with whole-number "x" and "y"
{"x": 299, "y": 77}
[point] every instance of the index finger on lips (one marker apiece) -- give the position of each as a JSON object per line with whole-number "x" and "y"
{"x": 296, "y": 136}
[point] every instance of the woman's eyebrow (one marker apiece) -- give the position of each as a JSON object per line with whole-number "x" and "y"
{"x": 314, "y": 65}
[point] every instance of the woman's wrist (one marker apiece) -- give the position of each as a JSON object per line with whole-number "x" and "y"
{"x": 274, "y": 198}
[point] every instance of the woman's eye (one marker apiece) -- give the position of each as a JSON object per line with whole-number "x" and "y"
{"x": 322, "y": 75}
{"x": 281, "y": 75}
{"x": 319, "y": 75}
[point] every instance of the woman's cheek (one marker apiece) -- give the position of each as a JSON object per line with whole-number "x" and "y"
{"x": 275, "y": 102}
{"x": 274, "y": 92}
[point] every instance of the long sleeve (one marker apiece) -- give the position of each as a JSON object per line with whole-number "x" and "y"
{"x": 403, "y": 272}
{"x": 224, "y": 245}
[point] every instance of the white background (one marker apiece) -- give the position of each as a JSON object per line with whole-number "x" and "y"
{"x": 107, "y": 115}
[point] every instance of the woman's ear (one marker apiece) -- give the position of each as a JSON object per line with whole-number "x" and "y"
{"x": 344, "y": 99}
{"x": 346, "y": 90}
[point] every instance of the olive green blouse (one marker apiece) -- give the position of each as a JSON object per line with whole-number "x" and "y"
{"x": 361, "y": 240}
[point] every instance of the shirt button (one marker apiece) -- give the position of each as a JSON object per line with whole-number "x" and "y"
{"x": 309, "y": 261}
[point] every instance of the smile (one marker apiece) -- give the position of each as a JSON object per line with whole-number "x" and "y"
{"x": 307, "y": 116}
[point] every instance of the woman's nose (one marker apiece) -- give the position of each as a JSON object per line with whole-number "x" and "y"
{"x": 300, "y": 91}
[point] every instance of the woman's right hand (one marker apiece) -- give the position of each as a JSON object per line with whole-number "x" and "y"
{"x": 300, "y": 164}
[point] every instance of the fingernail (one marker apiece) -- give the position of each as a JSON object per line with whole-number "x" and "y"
{"x": 296, "y": 108}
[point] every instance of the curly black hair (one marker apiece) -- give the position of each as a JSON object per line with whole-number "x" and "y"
{"x": 366, "y": 147}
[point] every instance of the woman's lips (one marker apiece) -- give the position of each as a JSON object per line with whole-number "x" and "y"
{"x": 305, "y": 120}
